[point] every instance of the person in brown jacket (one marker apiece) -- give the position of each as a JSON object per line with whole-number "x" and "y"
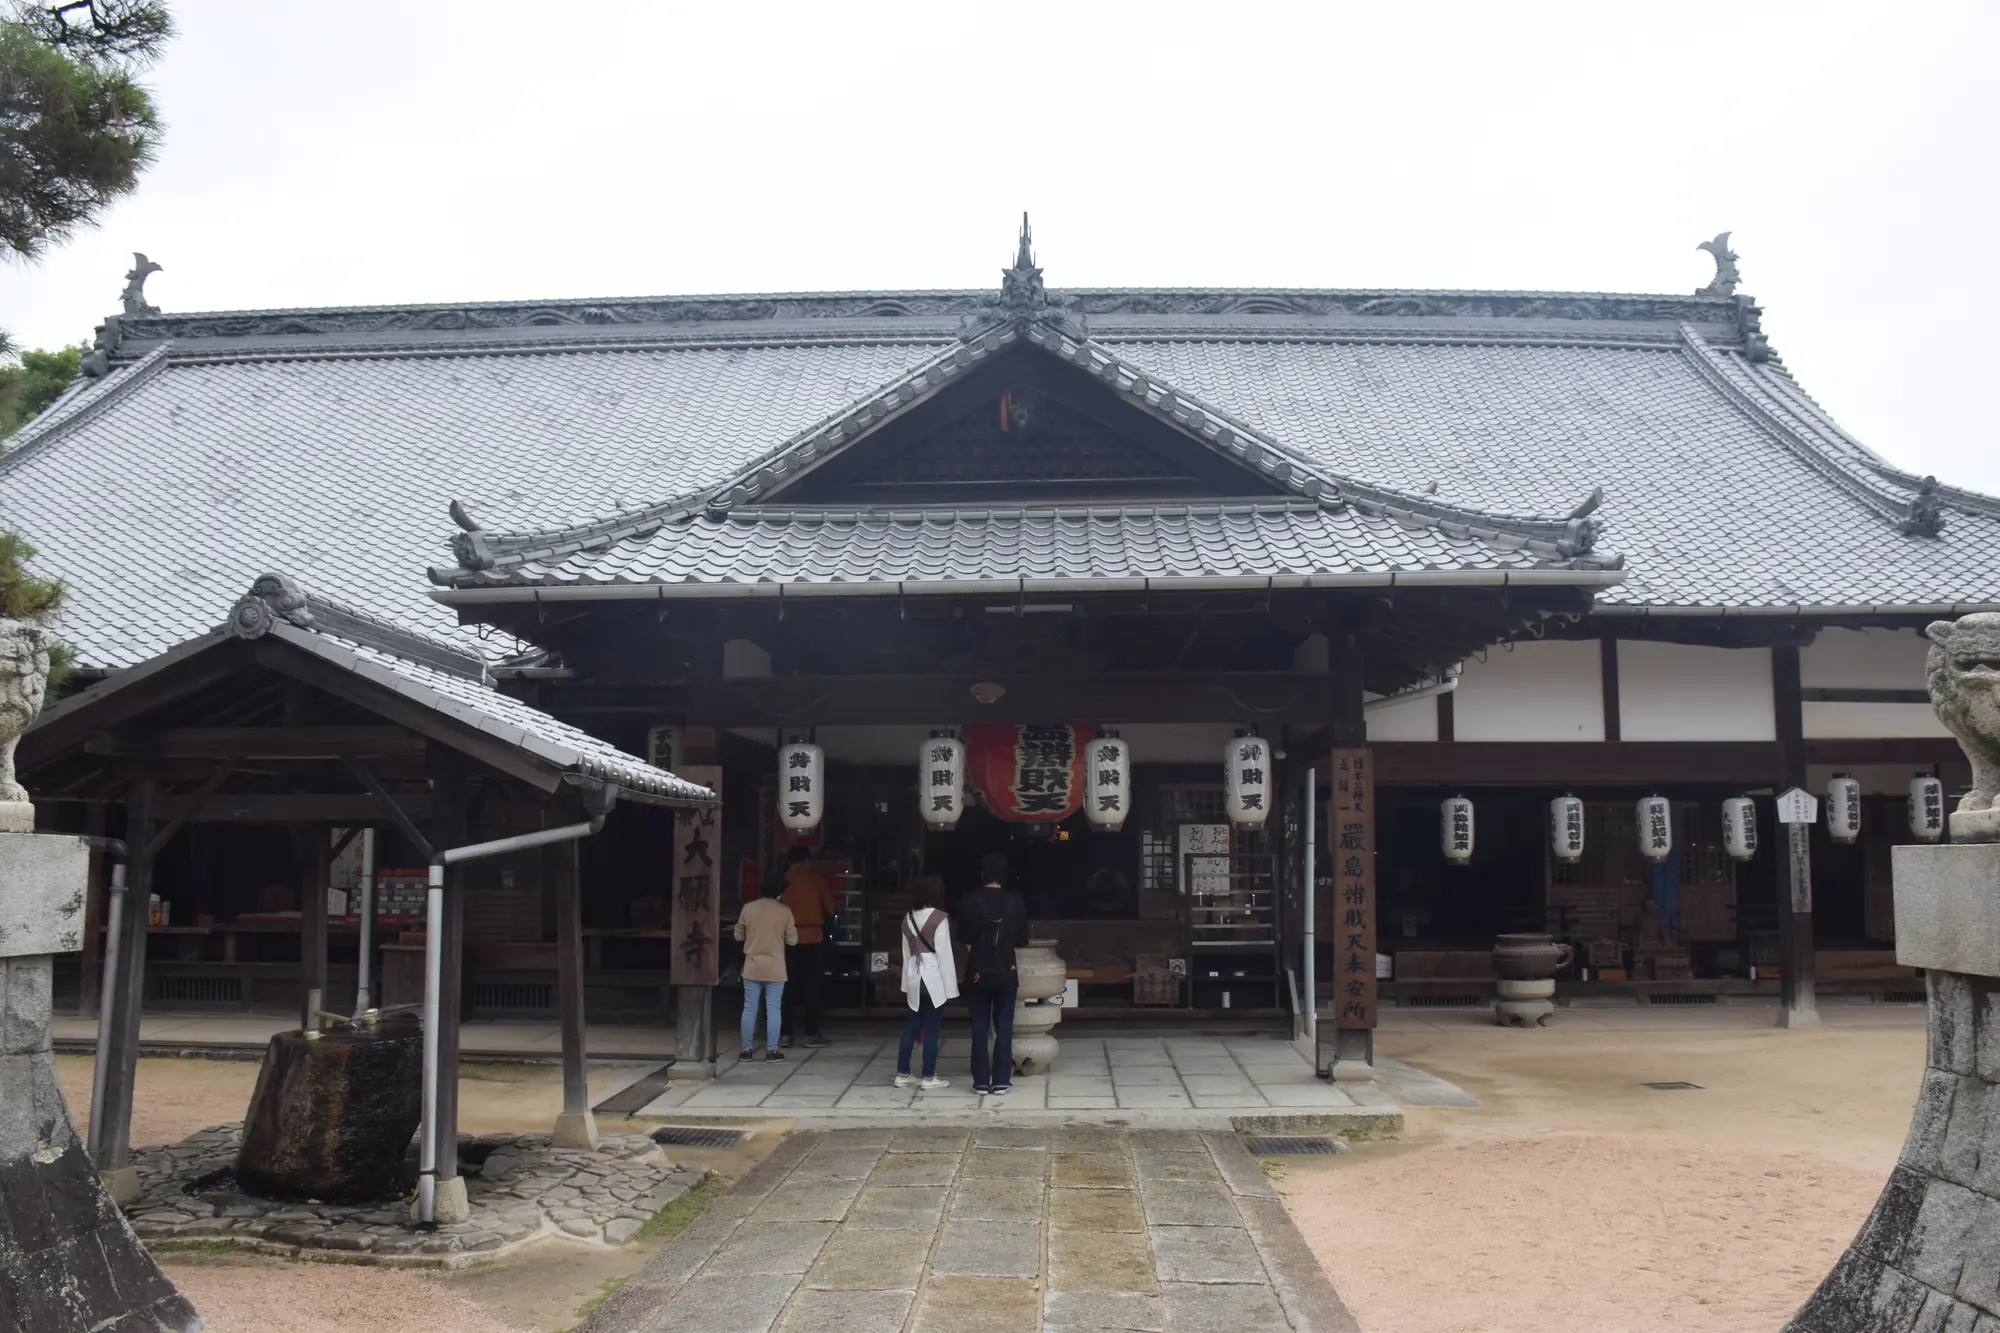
{"x": 766, "y": 930}
{"x": 811, "y": 901}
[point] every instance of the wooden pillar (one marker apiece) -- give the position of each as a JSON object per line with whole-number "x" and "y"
{"x": 576, "y": 1127}
{"x": 314, "y": 872}
{"x": 118, "y": 1066}
{"x": 1798, "y": 998}
{"x": 1347, "y": 905}
{"x": 695, "y": 885}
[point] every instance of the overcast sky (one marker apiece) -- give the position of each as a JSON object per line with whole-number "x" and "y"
{"x": 363, "y": 153}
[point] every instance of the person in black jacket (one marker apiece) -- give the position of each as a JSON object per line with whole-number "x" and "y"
{"x": 993, "y": 922}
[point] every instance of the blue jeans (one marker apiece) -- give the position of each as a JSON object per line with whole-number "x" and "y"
{"x": 772, "y": 995}
{"x": 927, "y": 1018}
{"x": 992, "y": 1011}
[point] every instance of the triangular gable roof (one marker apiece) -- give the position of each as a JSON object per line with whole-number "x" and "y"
{"x": 440, "y": 678}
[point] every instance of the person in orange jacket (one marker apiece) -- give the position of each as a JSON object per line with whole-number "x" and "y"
{"x": 811, "y": 899}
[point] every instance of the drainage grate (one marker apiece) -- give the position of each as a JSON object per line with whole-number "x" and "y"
{"x": 1673, "y": 1087}
{"x": 1282, "y": 1145}
{"x": 1443, "y": 1001}
{"x": 200, "y": 990}
{"x": 687, "y": 1136}
{"x": 1904, "y": 997}
{"x": 1680, "y": 999}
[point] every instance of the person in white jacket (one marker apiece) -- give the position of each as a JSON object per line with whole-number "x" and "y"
{"x": 930, "y": 977}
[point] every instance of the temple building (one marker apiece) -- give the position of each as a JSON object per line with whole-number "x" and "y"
{"x": 1098, "y": 578}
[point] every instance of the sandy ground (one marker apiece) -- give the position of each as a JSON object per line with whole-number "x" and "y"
{"x": 537, "y": 1291}
{"x": 1575, "y": 1200}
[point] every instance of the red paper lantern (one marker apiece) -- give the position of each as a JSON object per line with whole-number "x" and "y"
{"x": 1027, "y": 774}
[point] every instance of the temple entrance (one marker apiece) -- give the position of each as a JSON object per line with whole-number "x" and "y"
{"x": 1065, "y": 871}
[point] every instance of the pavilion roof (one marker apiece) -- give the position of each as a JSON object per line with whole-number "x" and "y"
{"x": 598, "y": 440}
{"x": 440, "y": 677}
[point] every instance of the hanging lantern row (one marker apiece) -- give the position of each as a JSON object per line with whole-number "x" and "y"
{"x": 801, "y": 786}
{"x": 1843, "y": 808}
{"x": 1566, "y": 828}
{"x": 1926, "y": 807}
{"x": 1739, "y": 828}
{"x": 1456, "y": 830}
{"x": 1246, "y": 781}
{"x": 1108, "y": 782}
{"x": 941, "y": 780}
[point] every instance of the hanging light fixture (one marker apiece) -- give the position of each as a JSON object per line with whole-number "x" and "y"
{"x": 1926, "y": 807}
{"x": 1739, "y": 828}
{"x": 1843, "y": 808}
{"x": 1107, "y": 782}
{"x": 801, "y": 786}
{"x": 941, "y": 781}
{"x": 1566, "y": 827}
{"x": 1455, "y": 830}
{"x": 1655, "y": 828}
{"x": 1246, "y": 780}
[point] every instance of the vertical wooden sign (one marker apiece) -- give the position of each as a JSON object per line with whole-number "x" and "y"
{"x": 1350, "y": 853}
{"x": 697, "y": 885}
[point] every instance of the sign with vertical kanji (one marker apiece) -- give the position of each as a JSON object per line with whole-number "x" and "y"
{"x": 1348, "y": 920}
{"x": 1028, "y": 774}
{"x": 697, "y": 885}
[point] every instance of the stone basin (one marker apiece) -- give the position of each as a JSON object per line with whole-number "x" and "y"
{"x": 332, "y": 1115}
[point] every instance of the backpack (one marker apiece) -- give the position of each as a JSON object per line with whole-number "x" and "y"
{"x": 991, "y": 966}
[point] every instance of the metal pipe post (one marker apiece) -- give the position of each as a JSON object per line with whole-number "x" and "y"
{"x": 364, "y": 982}
{"x": 114, "y": 936}
{"x": 1309, "y": 965}
{"x": 427, "y": 1148}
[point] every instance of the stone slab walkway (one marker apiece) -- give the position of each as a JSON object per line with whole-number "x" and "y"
{"x": 1167, "y": 1079}
{"x": 988, "y": 1230}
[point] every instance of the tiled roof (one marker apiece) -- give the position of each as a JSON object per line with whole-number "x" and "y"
{"x": 1297, "y": 543}
{"x": 330, "y": 442}
{"x": 438, "y": 675}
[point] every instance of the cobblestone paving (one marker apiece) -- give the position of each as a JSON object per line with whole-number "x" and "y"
{"x": 988, "y": 1230}
{"x": 521, "y": 1191}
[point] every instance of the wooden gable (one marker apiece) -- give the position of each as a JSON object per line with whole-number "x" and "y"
{"x": 1024, "y": 428}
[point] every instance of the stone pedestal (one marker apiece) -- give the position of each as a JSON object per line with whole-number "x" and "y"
{"x": 332, "y": 1116}
{"x": 575, "y": 1129}
{"x": 1928, "y": 1257}
{"x": 67, "y": 1258}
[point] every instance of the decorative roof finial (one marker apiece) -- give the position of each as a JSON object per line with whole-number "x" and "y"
{"x": 134, "y": 294}
{"x": 1925, "y": 515}
{"x": 1021, "y": 288}
{"x": 1726, "y": 277}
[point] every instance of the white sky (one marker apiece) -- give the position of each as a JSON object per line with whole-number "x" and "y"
{"x": 362, "y": 153}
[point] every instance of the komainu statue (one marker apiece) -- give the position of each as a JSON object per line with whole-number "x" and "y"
{"x": 1964, "y": 680}
{"x": 24, "y": 671}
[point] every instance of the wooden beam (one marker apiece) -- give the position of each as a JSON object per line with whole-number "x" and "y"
{"x": 118, "y": 1066}
{"x": 1576, "y": 763}
{"x": 304, "y": 742}
{"x": 292, "y": 808}
{"x": 196, "y": 803}
{"x": 1843, "y": 695}
{"x": 1273, "y": 697}
{"x": 404, "y": 819}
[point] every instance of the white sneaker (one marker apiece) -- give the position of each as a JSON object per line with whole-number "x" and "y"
{"x": 906, "y": 1080}
{"x": 933, "y": 1084}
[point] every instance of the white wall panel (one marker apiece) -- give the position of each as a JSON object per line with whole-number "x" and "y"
{"x": 1681, "y": 692}
{"x": 1873, "y": 659}
{"x": 1865, "y": 721}
{"x": 1416, "y": 720}
{"x": 1548, "y": 691}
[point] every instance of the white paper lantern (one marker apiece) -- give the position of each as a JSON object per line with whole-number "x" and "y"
{"x": 1843, "y": 808}
{"x": 1566, "y": 828}
{"x": 1655, "y": 827}
{"x": 1107, "y": 783}
{"x": 1455, "y": 830}
{"x": 1246, "y": 781}
{"x": 941, "y": 780}
{"x": 1926, "y": 807}
{"x": 801, "y": 786}
{"x": 1739, "y": 828}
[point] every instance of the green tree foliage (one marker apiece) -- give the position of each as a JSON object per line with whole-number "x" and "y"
{"x": 76, "y": 128}
{"x": 24, "y": 596}
{"x": 31, "y": 383}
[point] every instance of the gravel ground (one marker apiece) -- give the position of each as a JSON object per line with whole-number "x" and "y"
{"x": 1576, "y": 1201}
{"x": 242, "y": 1295}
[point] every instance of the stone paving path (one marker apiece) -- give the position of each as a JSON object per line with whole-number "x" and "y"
{"x": 1180, "y": 1073}
{"x": 989, "y": 1230}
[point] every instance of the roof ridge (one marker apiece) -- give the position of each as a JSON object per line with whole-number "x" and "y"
{"x": 1916, "y": 516}
{"x": 277, "y": 597}
{"x": 195, "y": 355}
{"x": 83, "y": 406}
{"x": 1278, "y": 504}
